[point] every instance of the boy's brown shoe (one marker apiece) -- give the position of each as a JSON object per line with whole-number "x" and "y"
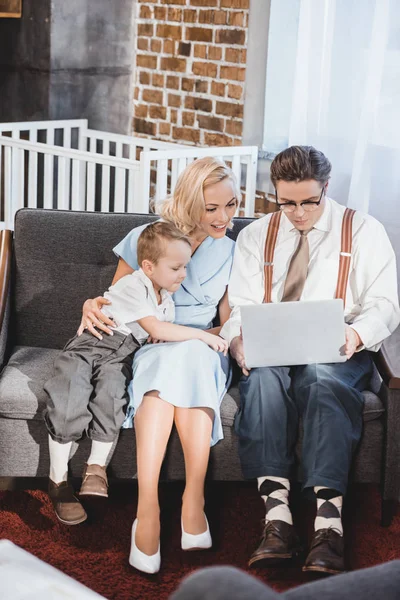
{"x": 67, "y": 507}
{"x": 94, "y": 481}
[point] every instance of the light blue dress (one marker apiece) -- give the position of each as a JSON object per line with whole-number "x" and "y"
{"x": 186, "y": 374}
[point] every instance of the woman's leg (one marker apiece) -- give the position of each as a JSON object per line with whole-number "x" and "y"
{"x": 153, "y": 423}
{"x": 194, "y": 426}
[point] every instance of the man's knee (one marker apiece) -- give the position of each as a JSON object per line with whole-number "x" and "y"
{"x": 263, "y": 376}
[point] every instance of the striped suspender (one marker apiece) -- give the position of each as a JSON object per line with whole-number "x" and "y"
{"x": 269, "y": 250}
{"x": 345, "y": 254}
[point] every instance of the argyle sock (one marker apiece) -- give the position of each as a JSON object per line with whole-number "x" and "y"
{"x": 329, "y": 509}
{"x": 275, "y": 493}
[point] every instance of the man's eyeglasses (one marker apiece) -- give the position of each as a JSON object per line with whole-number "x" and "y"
{"x": 307, "y": 205}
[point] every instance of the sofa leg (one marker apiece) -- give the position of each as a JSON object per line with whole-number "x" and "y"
{"x": 389, "y": 509}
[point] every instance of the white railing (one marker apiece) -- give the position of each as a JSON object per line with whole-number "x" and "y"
{"x": 68, "y": 133}
{"x": 64, "y": 164}
{"x": 169, "y": 164}
{"x": 39, "y": 175}
{"x": 76, "y": 134}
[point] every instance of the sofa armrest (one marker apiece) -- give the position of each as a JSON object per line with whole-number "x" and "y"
{"x": 5, "y": 292}
{"x": 387, "y": 360}
{"x": 5, "y": 270}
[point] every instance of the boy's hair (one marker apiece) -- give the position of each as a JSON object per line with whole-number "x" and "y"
{"x": 154, "y": 238}
{"x": 300, "y": 163}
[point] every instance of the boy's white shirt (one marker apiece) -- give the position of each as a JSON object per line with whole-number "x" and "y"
{"x": 132, "y": 298}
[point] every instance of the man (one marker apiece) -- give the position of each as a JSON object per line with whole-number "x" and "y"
{"x": 301, "y": 262}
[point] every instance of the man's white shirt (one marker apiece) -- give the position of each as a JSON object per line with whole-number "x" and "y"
{"x": 372, "y": 305}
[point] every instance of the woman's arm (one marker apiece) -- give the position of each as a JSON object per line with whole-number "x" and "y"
{"x": 224, "y": 311}
{"x": 92, "y": 316}
{"x": 169, "y": 332}
{"x": 122, "y": 269}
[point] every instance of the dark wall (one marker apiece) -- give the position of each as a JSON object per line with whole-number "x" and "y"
{"x": 69, "y": 60}
{"x": 25, "y": 63}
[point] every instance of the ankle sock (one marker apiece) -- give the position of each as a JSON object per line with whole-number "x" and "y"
{"x": 329, "y": 509}
{"x": 99, "y": 453}
{"x": 275, "y": 493}
{"x": 59, "y": 457}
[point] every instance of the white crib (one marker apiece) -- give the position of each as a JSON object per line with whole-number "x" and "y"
{"x": 66, "y": 165}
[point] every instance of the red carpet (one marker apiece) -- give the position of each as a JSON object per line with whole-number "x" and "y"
{"x": 95, "y": 553}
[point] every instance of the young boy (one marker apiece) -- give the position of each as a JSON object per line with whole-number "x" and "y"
{"x": 88, "y": 390}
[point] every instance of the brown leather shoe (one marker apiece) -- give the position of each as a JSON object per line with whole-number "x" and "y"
{"x": 278, "y": 542}
{"x": 94, "y": 481}
{"x": 326, "y": 553}
{"x": 67, "y": 507}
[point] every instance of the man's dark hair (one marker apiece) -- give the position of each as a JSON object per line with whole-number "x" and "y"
{"x": 300, "y": 163}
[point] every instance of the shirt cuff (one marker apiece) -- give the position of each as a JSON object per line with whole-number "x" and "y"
{"x": 230, "y": 330}
{"x": 371, "y": 332}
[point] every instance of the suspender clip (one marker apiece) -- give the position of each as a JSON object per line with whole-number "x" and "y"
{"x": 345, "y": 254}
{"x": 268, "y": 264}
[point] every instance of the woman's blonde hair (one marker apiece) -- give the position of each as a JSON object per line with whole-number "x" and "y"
{"x": 186, "y": 206}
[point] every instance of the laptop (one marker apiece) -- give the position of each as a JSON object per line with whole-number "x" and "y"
{"x": 293, "y": 333}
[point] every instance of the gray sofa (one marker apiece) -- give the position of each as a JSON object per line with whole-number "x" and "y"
{"x": 52, "y": 263}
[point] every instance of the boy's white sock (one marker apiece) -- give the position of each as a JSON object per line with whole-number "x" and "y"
{"x": 99, "y": 453}
{"x": 59, "y": 457}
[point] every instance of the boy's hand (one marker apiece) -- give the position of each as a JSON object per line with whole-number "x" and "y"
{"x": 151, "y": 340}
{"x": 215, "y": 342}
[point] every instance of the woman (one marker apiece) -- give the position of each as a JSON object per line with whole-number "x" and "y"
{"x": 181, "y": 383}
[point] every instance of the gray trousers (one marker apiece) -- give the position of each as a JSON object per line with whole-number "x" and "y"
{"x": 88, "y": 390}
{"x": 326, "y": 397}
{"x": 381, "y": 582}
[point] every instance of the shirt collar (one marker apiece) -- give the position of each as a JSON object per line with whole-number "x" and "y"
{"x": 150, "y": 288}
{"x": 324, "y": 223}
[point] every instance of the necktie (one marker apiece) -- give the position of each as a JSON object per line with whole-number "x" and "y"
{"x": 297, "y": 272}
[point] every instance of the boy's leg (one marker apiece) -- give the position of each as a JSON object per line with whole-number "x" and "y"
{"x": 111, "y": 377}
{"x": 67, "y": 417}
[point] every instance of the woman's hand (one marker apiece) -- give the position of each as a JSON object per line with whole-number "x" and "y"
{"x": 93, "y": 317}
{"x": 237, "y": 352}
{"x": 215, "y": 342}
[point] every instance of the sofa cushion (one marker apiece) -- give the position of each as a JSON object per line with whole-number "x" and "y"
{"x": 22, "y": 395}
{"x": 21, "y": 385}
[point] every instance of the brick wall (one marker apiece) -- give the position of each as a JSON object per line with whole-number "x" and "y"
{"x": 190, "y": 70}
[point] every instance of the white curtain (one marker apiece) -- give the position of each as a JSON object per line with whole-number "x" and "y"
{"x": 346, "y": 101}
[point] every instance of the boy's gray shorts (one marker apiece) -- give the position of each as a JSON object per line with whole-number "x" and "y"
{"x": 88, "y": 390}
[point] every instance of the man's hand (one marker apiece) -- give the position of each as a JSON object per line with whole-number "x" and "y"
{"x": 237, "y": 352}
{"x": 353, "y": 341}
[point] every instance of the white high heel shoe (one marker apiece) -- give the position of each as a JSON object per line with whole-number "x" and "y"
{"x": 201, "y": 541}
{"x": 140, "y": 560}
